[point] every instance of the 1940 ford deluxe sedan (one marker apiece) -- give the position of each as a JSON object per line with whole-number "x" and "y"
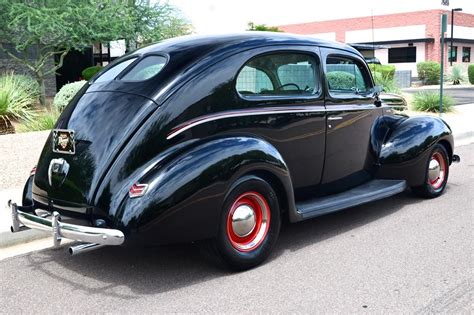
{"x": 221, "y": 138}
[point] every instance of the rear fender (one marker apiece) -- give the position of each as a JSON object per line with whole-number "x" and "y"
{"x": 27, "y": 197}
{"x": 184, "y": 197}
{"x": 405, "y": 150}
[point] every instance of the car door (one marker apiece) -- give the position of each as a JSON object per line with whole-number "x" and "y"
{"x": 285, "y": 84}
{"x": 351, "y": 111}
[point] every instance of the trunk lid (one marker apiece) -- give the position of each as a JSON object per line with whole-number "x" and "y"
{"x": 102, "y": 122}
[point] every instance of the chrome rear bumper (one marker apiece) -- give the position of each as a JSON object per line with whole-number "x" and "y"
{"x": 93, "y": 235}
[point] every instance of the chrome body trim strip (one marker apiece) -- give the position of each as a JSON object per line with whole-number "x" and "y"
{"x": 61, "y": 230}
{"x": 264, "y": 111}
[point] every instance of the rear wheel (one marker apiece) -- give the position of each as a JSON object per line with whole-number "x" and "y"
{"x": 249, "y": 226}
{"x": 436, "y": 174}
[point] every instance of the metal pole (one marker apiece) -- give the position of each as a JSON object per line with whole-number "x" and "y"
{"x": 451, "y": 55}
{"x": 444, "y": 19}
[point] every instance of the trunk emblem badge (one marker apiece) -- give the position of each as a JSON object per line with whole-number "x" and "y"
{"x": 57, "y": 171}
{"x": 64, "y": 141}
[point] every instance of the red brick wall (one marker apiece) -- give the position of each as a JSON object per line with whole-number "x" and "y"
{"x": 430, "y": 18}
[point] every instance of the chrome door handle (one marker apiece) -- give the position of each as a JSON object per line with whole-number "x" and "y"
{"x": 335, "y": 117}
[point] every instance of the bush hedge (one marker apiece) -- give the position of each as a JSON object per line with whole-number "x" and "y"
{"x": 429, "y": 102}
{"x": 340, "y": 80}
{"x": 387, "y": 71}
{"x": 429, "y": 72}
{"x": 89, "y": 72}
{"x": 66, "y": 94}
{"x": 388, "y": 85}
{"x": 470, "y": 73}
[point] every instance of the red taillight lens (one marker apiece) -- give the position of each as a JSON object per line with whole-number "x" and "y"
{"x": 137, "y": 190}
{"x": 33, "y": 171}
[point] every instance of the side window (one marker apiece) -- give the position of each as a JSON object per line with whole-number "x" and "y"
{"x": 282, "y": 74}
{"x": 346, "y": 76}
{"x": 253, "y": 81}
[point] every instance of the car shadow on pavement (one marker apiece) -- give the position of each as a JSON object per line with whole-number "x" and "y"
{"x": 133, "y": 272}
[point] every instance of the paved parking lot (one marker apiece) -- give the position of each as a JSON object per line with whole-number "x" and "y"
{"x": 397, "y": 255}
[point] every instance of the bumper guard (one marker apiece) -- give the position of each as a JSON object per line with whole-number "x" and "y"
{"x": 92, "y": 235}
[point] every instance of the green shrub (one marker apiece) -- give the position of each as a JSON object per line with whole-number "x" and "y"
{"x": 429, "y": 102}
{"x": 89, "y": 72}
{"x": 456, "y": 76}
{"x": 340, "y": 80}
{"x": 388, "y": 85}
{"x": 66, "y": 94}
{"x": 470, "y": 73}
{"x": 429, "y": 72}
{"x": 42, "y": 121}
{"x": 17, "y": 100}
{"x": 387, "y": 71}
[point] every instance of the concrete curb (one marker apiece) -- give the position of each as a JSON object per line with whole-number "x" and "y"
{"x": 8, "y": 239}
{"x": 463, "y": 138}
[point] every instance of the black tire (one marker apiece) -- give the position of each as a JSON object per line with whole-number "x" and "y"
{"x": 433, "y": 188}
{"x": 231, "y": 253}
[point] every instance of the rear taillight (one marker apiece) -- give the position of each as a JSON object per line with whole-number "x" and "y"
{"x": 137, "y": 190}
{"x": 33, "y": 171}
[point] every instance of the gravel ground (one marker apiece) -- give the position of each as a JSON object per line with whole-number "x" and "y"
{"x": 19, "y": 153}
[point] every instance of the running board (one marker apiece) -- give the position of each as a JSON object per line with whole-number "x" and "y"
{"x": 373, "y": 190}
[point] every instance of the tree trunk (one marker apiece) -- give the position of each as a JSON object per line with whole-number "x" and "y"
{"x": 42, "y": 97}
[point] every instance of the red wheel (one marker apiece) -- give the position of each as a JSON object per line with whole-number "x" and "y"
{"x": 249, "y": 225}
{"x": 437, "y": 170}
{"x": 248, "y": 221}
{"x": 436, "y": 173}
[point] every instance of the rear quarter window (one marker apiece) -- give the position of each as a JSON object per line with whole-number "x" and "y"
{"x": 146, "y": 68}
{"x": 114, "y": 71}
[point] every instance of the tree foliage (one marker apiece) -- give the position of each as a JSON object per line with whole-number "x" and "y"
{"x": 33, "y": 31}
{"x": 262, "y": 27}
{"x": 154, "y": 22}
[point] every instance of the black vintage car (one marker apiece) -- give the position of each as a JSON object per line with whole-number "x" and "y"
{"x": 219, "y": 139}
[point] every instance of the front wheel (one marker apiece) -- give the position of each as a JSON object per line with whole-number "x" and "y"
{"x": 249, "y": 226}
{"x": 436, "y": 174}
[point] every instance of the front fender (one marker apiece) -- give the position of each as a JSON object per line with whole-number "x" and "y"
{"x": 185, "y": 196}
{"x": 405, "y": 150}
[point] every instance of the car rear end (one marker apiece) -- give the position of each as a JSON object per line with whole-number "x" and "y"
{"x": 60, "y": 196}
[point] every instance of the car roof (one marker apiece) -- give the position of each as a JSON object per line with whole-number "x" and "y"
{"x": 246, "y": 40}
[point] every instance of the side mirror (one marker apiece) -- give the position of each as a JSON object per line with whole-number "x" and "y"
{"x": 377, "y": 90}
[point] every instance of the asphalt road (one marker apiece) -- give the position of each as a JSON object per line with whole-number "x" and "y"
{"x": 461, "y": 95}
{"x": 398, "y": 255}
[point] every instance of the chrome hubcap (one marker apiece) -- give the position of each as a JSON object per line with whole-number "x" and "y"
{"x": 434, "y": 170}
{"x": 243, "y": 220}
{"x": 248, "y": 221}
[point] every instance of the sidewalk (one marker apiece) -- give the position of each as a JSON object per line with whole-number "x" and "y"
{"x": 25, "y": 148}
{"x": 460, "y": 120}
{"x": 446, "y": 86}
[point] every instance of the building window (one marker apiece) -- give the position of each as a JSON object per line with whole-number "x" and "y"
{"x": 402, "y": 54}
{"x": 466, "y": 54}
{"x": 453, "y": 55}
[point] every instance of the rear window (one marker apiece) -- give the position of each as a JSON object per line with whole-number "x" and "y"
{"x": 145, "y": 68}
{"x": 113, "y": 72}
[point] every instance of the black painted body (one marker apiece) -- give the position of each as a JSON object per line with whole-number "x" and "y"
{"x": 129, "y": 132}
